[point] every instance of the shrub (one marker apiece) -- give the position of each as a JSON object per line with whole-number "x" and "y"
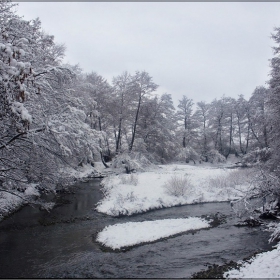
{"x": 219, "y": 182}
{"x": 214, "y": 156}
{"x": 241, "y": 176}
{"x": 231, "y": 179}
{"x": 256, "y": 156}
{"x": 129, "y": 179}
{"x": 275, "y": 236}
{"x": 230, "y": 182}
{"x": 187, "y": 154}
{"x": 178, "y": 186}
{"x": 131, "y": 162}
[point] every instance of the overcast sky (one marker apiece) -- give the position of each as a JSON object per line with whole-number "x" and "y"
{"x": 201, "y": 50}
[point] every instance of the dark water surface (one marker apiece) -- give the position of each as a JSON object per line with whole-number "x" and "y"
{"x": 61, "y": 243}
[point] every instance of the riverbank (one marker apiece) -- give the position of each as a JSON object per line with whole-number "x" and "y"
{"x": 12, "y": 201}
{"x": 171, "y": 185}
{"x": 129, "y": 194}
{"x": 62, "y": 243}
{"x": 263, "y": 265}
{"x": 220, "y": 242}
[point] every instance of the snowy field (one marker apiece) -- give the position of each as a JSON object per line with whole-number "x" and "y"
{"x": 127, "y": 194}
{"x": 263, "y": 266}
{"x": 132, "y": 233}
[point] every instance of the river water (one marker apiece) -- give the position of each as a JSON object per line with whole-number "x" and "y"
{"x": 62, "y": 243}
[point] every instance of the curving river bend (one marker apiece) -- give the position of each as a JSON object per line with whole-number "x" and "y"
{"x": 36, "y": 244}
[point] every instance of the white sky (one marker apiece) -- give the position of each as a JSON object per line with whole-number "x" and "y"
{"x": 199, "y": 49}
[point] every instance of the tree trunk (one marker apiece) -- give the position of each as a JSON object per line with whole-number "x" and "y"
{"x": 101, "y": 154}
{"x": 239, "y": 134}
{"x": 247, "y": 140}
{"x": 184, "y": 141}
{"x": 119, "y": 136}
{"x": 103, "y": 161}
{"x": 230, "y": 137}
{"x": 135, "y": 124}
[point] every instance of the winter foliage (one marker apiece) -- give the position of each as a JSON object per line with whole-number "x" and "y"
{"x": 54, "y": 117}
{"x": 57, "y": 122}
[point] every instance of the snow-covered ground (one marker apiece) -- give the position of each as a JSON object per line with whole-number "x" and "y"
{"x": 263, "y": 266}
{"x": 127, "y": 194}
{"x": 128, "y": 234}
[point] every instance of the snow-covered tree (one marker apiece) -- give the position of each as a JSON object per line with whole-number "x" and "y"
{"x": 157, "y": 125}
{"x": 121, "y": 108}
{"x": 141, "y": 86}
{"x": 201, "y": 117}
{"x": 43, "y": 123}
{"x": 241, "y": 108}
{"x": 184, "y": 114}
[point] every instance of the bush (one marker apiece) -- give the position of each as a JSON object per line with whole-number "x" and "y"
{"x": 230, "y": 182}
{"x": 187, "y": 154}
{"x": 131, "y": 162}
{"x": 214, "y": 156}
{"x": 275, "y": 236}
{"x": 178, "y": 186}
{"x": 256, "y": 156}
{"x": 232, "y": 179}
{"x": 129, "y": 179}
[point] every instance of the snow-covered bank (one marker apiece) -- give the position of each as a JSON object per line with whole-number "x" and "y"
{"x": 127, "y": 194}
{"x": 133, "y": 233}
{"x": 85, "y": 171}
{"x": 8, "y": 204}
{"x": 11, "y": 202}
{"x": 264, "y": 265}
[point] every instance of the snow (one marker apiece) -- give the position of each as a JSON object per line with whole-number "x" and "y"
{"x": 264, "y": 265}
{"x": 124, "y": 198}
{"x": 10, "y": 202}
{"x": 85, "y": 171}
{"x": 20, "y": 110}
{"x": 31, "y": 190}
{"x": 132, "y": 233}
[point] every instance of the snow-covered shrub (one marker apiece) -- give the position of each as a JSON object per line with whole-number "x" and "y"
{"x": 256, "y": 156}
{"x": 129, "y": 179}
{"x": 214, "y": 156}
{"x": 140, "y": 146}
{"x": 220, "y": 182}
{"x": 240, "y": 176}
{"x": 131, "y": 162}
{"x": 231, "y": 179}
{"x": 178, "y": 186}
{"x": 262, "y": 193}
{"x": 187, "y": 154}
{"x": 107, "y": 185}
{"x": 276, "y": 234}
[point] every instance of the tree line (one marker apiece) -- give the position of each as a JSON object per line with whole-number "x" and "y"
{"x": 54, "y": 115}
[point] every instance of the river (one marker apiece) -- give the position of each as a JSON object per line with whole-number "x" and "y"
{"x": 37, "y": 244}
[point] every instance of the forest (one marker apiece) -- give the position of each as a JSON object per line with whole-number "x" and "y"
{"x": 56, "y": 119}
{"x": 54, "y": 116}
